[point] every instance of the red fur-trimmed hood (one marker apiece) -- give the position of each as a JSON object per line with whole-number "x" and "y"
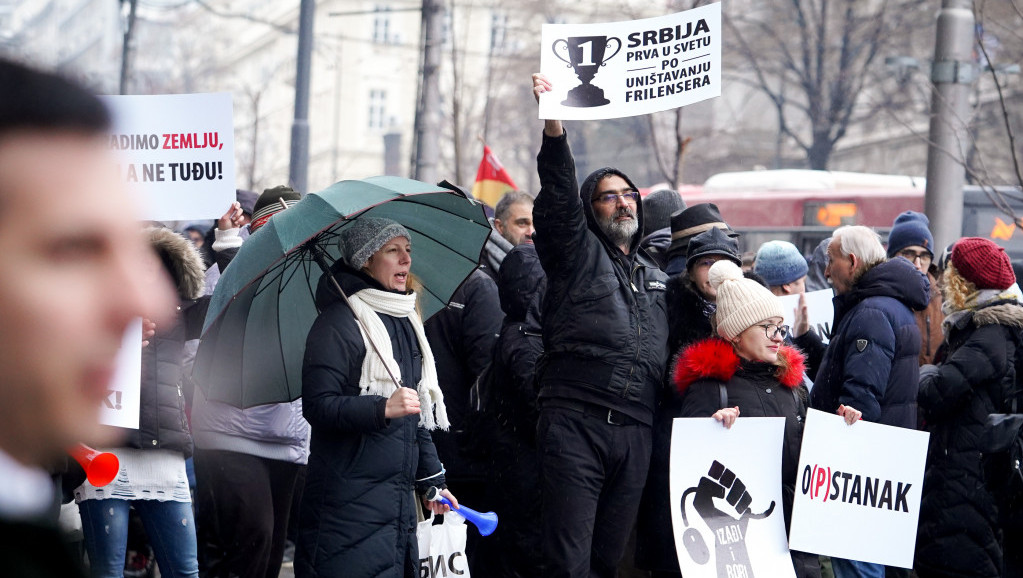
{"x": 714, "y": 358}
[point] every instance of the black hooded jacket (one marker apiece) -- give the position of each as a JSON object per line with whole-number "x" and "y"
{"x": 872, "y": 360}
{"x": 605, "y": 324}
{"x": 522, "y": 286}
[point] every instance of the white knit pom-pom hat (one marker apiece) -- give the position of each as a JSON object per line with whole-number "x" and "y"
{"x": 741, "y": 302}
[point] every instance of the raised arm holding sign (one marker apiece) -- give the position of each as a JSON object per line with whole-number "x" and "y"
{"x": 601, "y": 377}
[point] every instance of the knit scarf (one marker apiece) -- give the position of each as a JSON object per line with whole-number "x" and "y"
{"x": 976, "y": 300}
{"x": 374, "y": 379}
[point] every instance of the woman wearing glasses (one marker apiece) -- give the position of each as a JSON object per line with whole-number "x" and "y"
{"x": 748, "y": 370}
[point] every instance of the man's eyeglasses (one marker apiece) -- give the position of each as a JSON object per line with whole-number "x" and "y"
{"x": 612, "y": 198}
{"x": 924, "y": 256}
{"x": 771, "y": 330}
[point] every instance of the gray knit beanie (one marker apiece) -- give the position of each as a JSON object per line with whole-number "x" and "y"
{"x": 779, "y": 263}
{"x": 741, "y": 302}
{"x": 366, "y": 236}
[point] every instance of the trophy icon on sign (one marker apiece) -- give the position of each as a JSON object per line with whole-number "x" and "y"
{"x": 586, "y": 56}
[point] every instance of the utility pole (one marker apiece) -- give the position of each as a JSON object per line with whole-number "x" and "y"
{"x": 298, "y": 170}
{"x": 427, "y": 133}
{"x": 952, "y": 74}
{"x": 126, "y": 47}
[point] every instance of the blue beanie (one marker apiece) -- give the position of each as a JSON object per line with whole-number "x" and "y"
{"x": 779, "y": 263}
{"x": 910, "y": 228}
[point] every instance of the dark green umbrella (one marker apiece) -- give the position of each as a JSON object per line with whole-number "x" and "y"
{"x": 254, "y": 337}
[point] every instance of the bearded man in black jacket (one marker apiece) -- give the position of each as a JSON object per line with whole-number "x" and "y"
{"x": 605, "y": 348}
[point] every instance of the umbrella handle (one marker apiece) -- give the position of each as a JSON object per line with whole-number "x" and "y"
{"x": 318, "y": 256}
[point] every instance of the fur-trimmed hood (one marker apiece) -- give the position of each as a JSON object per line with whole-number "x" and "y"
{"x": 714, "y": 358}
{"x": 1009, "y": 314}
{"x": 181, "y": 260}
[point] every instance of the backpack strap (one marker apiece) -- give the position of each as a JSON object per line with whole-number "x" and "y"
{"x": 724, "y": 394}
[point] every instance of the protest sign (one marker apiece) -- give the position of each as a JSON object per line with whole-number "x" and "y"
{"x": 176, "y": 152}
{"x": 858, "y": 490}
{"x": 725, "y": 489}
{"x": 121, "y": 406}
{"x": 820, "y": 309}
{"x": 617, "y": 69}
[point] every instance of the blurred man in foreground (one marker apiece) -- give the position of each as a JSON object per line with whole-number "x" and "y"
{"x": 74, "y": 272}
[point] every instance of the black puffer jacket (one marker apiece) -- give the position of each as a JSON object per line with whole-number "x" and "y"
{"x": 688, "y": 322}
{"x": 760, "y": 390}
{"x": 872, "y": 360}
{"x": 162, "y": 421}
{"x": 462, "y": 336}
{"x": 358, "y": 515}
{"x": 605, "y": 324}
{"x": 958, "y": 533}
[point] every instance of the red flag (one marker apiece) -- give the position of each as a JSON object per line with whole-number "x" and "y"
{"x": 492, "y": 181}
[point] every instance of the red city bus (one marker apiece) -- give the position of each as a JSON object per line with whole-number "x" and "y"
{"x": 803, "y": 207}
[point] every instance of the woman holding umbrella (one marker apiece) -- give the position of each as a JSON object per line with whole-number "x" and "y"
{"x": 370, "y": 393}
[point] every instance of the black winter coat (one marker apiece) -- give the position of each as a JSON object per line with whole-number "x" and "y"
{"x": 688, "y": 322}
{"x": 512, "y": 403}
{"x": 520, "y": 344}
{"x": 162, "y": 420}
{"x": 760, "y": 390}
{"x": 462, "y": 336}
{"x": 358, "y": 514}
{"x": 605, "y": 324}
{"x": 958, "y": 531}
{"x": 872, "y": 359}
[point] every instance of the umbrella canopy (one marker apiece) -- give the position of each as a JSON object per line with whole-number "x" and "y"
{"x": 260, "y": 314}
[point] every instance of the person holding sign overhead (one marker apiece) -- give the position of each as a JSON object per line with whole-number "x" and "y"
{"x": 605, "y": 334}
{"x": 748, "y": 370}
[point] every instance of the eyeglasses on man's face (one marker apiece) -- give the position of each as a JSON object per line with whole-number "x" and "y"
{"x": 772, "y": 330}
{"x": 924, "y": 256}
{"x": 611, "y": 198}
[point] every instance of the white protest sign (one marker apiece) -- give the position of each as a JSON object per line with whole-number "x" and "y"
{"x": 725, "y": 486}
{"x": 617, "y": 69}
{"x": 121, "y": 406}
{"x": 820, "y": 310}
{"x": 176, "y": 152}
{"x": 858, "y": 490}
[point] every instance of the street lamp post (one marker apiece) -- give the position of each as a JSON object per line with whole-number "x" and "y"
{"x": 427, "y": 129}
{"x": 952, "y": 73}
{"x": 298, "y": 168}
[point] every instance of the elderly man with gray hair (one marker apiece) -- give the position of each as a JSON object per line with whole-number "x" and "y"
{"x": 871, "y": 361}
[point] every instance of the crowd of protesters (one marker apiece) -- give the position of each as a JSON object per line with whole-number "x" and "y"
{"x": 545, "y": 390}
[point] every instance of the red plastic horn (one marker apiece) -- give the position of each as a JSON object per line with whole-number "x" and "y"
{"x": 100, "y": 467}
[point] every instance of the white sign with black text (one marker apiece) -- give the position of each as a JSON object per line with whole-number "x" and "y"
{"x": 176, "y": 151}
{"x": 725, "y": 490}
{"x": 619, "y": 69}
{"x": 858, "y": 490}
{"x": 820, "y": 311}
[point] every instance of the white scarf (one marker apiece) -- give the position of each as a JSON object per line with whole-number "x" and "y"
{"x": 374, "y": 379}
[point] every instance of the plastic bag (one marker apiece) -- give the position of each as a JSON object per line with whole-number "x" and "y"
{"x": 442, "y": 547}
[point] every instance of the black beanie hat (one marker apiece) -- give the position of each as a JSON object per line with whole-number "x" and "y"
{"x": 658, "y": 207}
{"x": 272, "y": 201}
